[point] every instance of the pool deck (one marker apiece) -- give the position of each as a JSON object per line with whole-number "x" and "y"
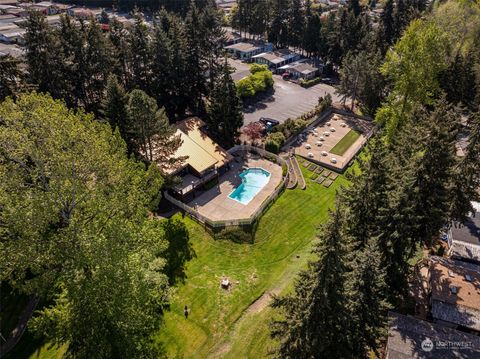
{"x": 215, "y": 203}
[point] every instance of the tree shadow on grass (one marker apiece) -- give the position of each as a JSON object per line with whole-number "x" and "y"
{"x": 179, "y": 251}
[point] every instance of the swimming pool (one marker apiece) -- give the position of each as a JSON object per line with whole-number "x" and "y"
{"x": 253, "y": 180}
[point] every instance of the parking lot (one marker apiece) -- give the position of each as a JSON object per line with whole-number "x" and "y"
{"x": 287, "y": 100}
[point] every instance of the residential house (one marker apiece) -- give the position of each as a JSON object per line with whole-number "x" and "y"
{"x": 8, "y": 2}
{"x": 13, "y": 36}
{"x": 17, "y": 11}
{"x": 245, "y": 50}
{"x": 51, "y": 8}
{"x": 7, "y": 19}
{"x": 12, "y": 50}
{"x": 231, "y": 37}
{"x": 205, "y": 159}
{"x": 454, "y": 292}
{"x": 275, "y": 59}
{"x": 84, "y": 13}
{"x": 302, "y": 70}
{"x": 4, "y": 8}
{"x": 412, "y": 338}
{"x": 464, "y": 238}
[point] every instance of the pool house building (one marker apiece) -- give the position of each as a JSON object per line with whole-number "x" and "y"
{"x": 204, "y": 160}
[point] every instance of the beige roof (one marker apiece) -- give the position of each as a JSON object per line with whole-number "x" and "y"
{"x": 202, "y": 152}
{"x": 445, "y": 274}
{"x": 304, "y": 68}
{"x": 243, "y": 47}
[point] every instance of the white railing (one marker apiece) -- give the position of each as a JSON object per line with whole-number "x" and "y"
{"x": 243, "y": 221}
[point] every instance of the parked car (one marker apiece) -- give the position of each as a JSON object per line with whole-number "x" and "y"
{"x": 286, "y": 75}
{"x": 269, "y": 123}
{"x": 328, "y": 81}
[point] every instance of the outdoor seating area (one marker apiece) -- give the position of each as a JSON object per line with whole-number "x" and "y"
{"x": 333, "y": 142}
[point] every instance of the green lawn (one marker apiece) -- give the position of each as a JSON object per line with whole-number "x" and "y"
{"x": 345, "y": 143}
{"x": 282, "y": 247}
{"x": 216, "y": 324}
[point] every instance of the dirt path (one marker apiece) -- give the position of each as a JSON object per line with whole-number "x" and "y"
{"x": 256, "y": 307}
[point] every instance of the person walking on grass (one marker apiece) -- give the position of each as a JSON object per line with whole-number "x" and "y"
{"x": 185, "y": 312}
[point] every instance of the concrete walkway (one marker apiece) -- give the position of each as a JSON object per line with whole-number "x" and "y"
{"x": 298, "y": 172}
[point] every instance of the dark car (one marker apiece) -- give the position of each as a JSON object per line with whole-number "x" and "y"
{"x": 269, "y": 123}
{"x": 328, "y": 81}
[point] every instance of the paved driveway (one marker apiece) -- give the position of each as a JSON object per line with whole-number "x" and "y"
{"x": 288, "y": 100}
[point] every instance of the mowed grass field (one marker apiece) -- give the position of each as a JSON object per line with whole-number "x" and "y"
{"x": 219, "y": 324}
{"x": 222, "y": 324}
{"x": 345, "y": 143}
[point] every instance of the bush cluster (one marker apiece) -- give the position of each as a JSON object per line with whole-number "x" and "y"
{"x": 259, "y": 80}
{"x": 310, "y": 83}
{"x": 291, "y": 127}
{"x": 274, "y": 142}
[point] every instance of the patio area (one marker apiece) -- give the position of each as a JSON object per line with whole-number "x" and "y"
{"x": 316, "y": 143}
{"x": 215, "y": 203}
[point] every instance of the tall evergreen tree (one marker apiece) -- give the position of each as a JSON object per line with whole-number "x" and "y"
{"x": 72, "y": 44}
{"x": 194, "y": 57}
{"x": 315, "y": 316}
{"x": 43, "y": 55}
{"x": 11, "y": 77}
{"x": 467, "y": 175}
{"x": 361, "y": 80}
{"x": 139, "y": 47}
{"x": 311, "y": 34}
{"x": 388, "y": 21}
{"x": 367, "y": 306}
{"x": 296, "y": 23}
{"x": 354, "y": 6}
{"x": 224, "y": 112}
{"x": 150, "y": 130}
{"x": 114, "y": 106}
{"x": 278, "y": 30}
{"x": 99, "y": 64}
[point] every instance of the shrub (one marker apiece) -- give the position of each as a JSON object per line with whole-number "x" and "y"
{"x": 274, "y": 142}
{"x": 277, "y": 137}
{"x": 272, "y": 146}
{"x": 259, "y": 80}
{"x": 324, "y": 103}
{"x": 235, "y": 234}
{"x": 310, "y": 83}
{"x": 245, "y": 87}
{"x": 291, "y": 127}
{"x": 254, "y": 68}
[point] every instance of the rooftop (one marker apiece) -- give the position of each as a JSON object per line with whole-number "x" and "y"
{"x": 406, "y": 334}
{"x": 277, "y": 57}
{"x": 244, "y": 46}
{"x": 448, "y": 273}
{"x": 202, "y": 152}
{"x": 455, "y": 291}
{"x": 304, "y": 68}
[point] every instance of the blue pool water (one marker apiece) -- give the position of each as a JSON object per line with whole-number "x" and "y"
{"x": 253, "y": 180}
